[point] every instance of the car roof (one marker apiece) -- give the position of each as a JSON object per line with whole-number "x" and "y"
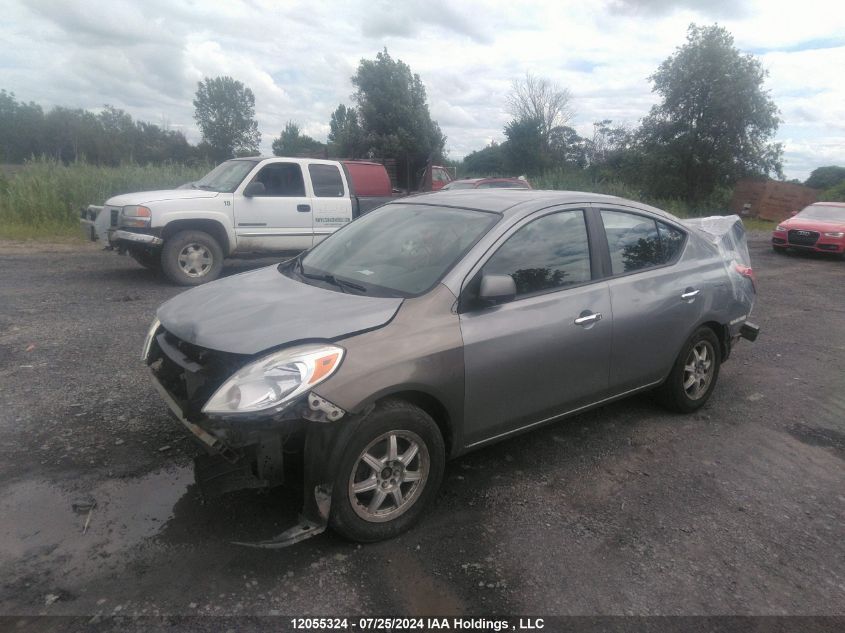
{"x": 510, "y": 202}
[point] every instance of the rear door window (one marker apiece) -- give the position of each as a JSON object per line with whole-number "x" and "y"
{"x": 638, "y": 242}
{"x": 549, "y": 253}
{"x": 326, "y": 181}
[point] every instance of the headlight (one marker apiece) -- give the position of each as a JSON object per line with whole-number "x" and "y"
{"x": 834, "y": 234}
{"x": 148, "y": 341}
{"x": 136, "y": 215}
{"x": 268, "y": 385}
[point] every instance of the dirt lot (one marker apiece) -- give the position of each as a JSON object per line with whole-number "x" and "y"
{"x": 739, "y": 509}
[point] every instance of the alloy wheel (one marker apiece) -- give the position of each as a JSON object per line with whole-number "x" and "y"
{"x": 698, "y": 370}
{"x": 195, "y": 260}
{"x": 389, "y": 476}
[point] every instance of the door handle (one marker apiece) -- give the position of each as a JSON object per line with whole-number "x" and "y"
{"x": 587, "y": 319}
{"x": 690, "y": 294}
{"x": 303, "y": 208}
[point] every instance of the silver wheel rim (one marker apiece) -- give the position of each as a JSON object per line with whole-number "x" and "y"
{"x": 195, "y": 260}
{"x": 389, "y": 476}
{"x": 698, "y": 370}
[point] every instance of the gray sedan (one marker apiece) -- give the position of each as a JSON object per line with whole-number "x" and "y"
{"x": 438, "y": 324}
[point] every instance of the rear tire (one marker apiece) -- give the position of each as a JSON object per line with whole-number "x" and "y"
{"x": 694, "y": 373}
{"x": 379, "y": 491}
{"x": 191, "y": 258}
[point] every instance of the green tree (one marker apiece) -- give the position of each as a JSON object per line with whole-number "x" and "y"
{"x": 825, "y": 177}
{"x": 225, "y": 112}
{"x": 346, "y": 136}
{"x": 524, "y": 149}
{"x": 490, "y": 161}
{"x": 117, "y": 137}
{"x": 714, "y": 122}
{"x": 394, "y": 114}
{"x": 540, "y": 100}
{"x": 21, "y": 129}
{"x": 291, "y": 142}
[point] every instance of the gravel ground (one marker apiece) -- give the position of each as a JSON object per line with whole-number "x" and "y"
{"x": 738, "y": 509}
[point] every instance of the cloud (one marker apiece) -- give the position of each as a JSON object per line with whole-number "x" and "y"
{"x": 707, "y": 8}
{"x": 146, "y": 56}
{"x": 389, "y": 19}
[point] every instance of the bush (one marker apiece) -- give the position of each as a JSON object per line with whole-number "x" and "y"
{"x": 44, "y": 198}
{"x": 585, "y": 180}
{"x": 834, "y": 194}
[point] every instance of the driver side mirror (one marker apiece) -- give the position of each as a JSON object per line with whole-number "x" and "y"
{"x": 254, "y": 188}
{"x": 497, "y": 288}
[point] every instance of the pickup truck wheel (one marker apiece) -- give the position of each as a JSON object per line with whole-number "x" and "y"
{"x": 694, "y": 373}
{"x": 151, "y": 260}
{"x": 191, "y": 258}
{"x": 389, "y": 473}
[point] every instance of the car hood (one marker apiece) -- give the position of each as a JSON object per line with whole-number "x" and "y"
{"x": 812, "y": 225}
{"x": 145, "y": 197}
{"x": 263, "y": 309}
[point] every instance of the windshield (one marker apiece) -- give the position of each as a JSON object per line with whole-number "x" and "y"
{"x": 397, "y": 250}
{"x": 226, "y": 176}
{"x": 824, "y": 213}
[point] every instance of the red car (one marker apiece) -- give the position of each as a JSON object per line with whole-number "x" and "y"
{"x": 488, "y": 183}
{"x": 819, "y": 227}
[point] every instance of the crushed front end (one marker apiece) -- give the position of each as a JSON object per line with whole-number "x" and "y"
{"x": 253, "y": 449}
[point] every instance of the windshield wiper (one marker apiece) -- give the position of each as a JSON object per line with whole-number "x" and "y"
{"x": 329, "y": 278}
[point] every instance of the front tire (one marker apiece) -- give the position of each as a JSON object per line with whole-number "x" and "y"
{"x": 389, "y": 473}
{"x": 694, "y": 374}
{"x": 191, "y": 258}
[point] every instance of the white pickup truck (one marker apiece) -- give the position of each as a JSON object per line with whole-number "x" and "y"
{"x": 245, "y": 205}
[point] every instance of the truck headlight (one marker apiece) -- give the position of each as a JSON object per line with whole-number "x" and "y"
{"x": 135, "y": 216}
{"x": 271, "y": 383}
{"x": 148, "y": 341}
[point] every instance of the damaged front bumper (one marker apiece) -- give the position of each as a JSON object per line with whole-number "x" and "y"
{"x": 300, "y": 443}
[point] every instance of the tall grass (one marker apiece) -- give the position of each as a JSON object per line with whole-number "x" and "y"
{"x": 44, "y": 197}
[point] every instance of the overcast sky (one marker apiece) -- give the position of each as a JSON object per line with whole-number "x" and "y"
{"x": 147, "y": 57}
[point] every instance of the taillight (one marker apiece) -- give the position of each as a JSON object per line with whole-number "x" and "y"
{"x": 747, "y": 271}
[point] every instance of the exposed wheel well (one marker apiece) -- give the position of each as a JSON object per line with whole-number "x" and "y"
{"x": 721, "y": 333}
{"x": 433, "y": 407}
{"x": 212, "y": 227}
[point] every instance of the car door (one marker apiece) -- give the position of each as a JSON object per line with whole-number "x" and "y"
{"x": 332, "y": 206}
{"x": 280, "y": 218}
{"x": 547, "y": 351}
{"x": 657, "y": 296}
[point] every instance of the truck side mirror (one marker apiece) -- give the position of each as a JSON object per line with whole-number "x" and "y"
{"x": 254, "y": 188}
{"x": 497, "y": 288}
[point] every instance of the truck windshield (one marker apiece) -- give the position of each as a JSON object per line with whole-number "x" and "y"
{"x": 226, "y": 176}
{"x": 397, "y": 250}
